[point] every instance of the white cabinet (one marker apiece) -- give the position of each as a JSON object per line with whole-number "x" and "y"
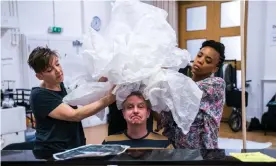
{"x": 13, "y": 120}
{"x": 16, "y": 137}
{"x": 13, "y": 125}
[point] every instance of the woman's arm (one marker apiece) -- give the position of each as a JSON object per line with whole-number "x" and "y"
{"x": 67, "y": 113}
{"x": 213, "y": 99}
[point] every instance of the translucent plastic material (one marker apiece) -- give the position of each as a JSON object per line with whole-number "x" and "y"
{"x": 167, "y": 90}
{"x": 132, "y": 52}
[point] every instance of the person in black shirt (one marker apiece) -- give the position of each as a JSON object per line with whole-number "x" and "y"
{"x": 58, "y": 125}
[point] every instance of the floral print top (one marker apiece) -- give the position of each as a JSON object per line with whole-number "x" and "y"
{"x": 203, "y": 132}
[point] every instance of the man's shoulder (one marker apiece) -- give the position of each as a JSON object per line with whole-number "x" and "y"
{"x": 156, "y": 136}
{"x": 158, "y": 141}
{"x": 116, "y": 137}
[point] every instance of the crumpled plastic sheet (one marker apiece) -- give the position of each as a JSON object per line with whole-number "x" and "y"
{"x": 167, "y": 90}
{"x": 137, "y": 43}
{"x": 75, "y": 72}
{"x": 88, "y": 93}
{"x": 82, "y": 89}
{"x": 177, "y": 94}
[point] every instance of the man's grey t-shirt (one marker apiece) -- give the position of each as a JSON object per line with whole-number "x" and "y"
{"x": 53, "y": 134}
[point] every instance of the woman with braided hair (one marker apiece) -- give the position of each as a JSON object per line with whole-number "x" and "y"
{"x": 203, "y": 132}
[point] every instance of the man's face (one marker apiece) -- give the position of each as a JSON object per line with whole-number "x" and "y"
{"x": 135, "y": 110}
{"x": 53, "y": 74}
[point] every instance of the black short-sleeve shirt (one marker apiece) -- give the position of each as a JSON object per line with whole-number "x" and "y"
{"x": 53, "y": 134}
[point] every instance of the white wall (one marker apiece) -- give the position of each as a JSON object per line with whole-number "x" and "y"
{"x": 36, "y": 16}
{"x": 34, "y": 19}
{"x": 97, "y": 8}
{"x": 270, "y": 54}
{"x": 270, "y": 50}
{"x": 261, "y": 57}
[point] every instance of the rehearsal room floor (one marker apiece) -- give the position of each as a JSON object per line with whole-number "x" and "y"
{"x": 257, "y": 136}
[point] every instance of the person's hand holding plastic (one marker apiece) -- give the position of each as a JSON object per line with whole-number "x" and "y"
{"x": 111, "y": 97}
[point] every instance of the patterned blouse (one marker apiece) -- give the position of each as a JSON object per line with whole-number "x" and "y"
{"x": 203, "y": 133}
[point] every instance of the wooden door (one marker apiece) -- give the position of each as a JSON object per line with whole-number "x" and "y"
{"x": 212, "y": 20}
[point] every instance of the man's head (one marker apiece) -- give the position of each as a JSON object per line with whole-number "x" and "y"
{"x": 209, "y": 58}
{"x": 44, "y": 62}
{"x": 136, "y": 110}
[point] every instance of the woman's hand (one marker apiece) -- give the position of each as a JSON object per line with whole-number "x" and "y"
{"x": 111, "y": 97}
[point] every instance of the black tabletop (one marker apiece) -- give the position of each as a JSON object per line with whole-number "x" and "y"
{"x": 135, "y": 157}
